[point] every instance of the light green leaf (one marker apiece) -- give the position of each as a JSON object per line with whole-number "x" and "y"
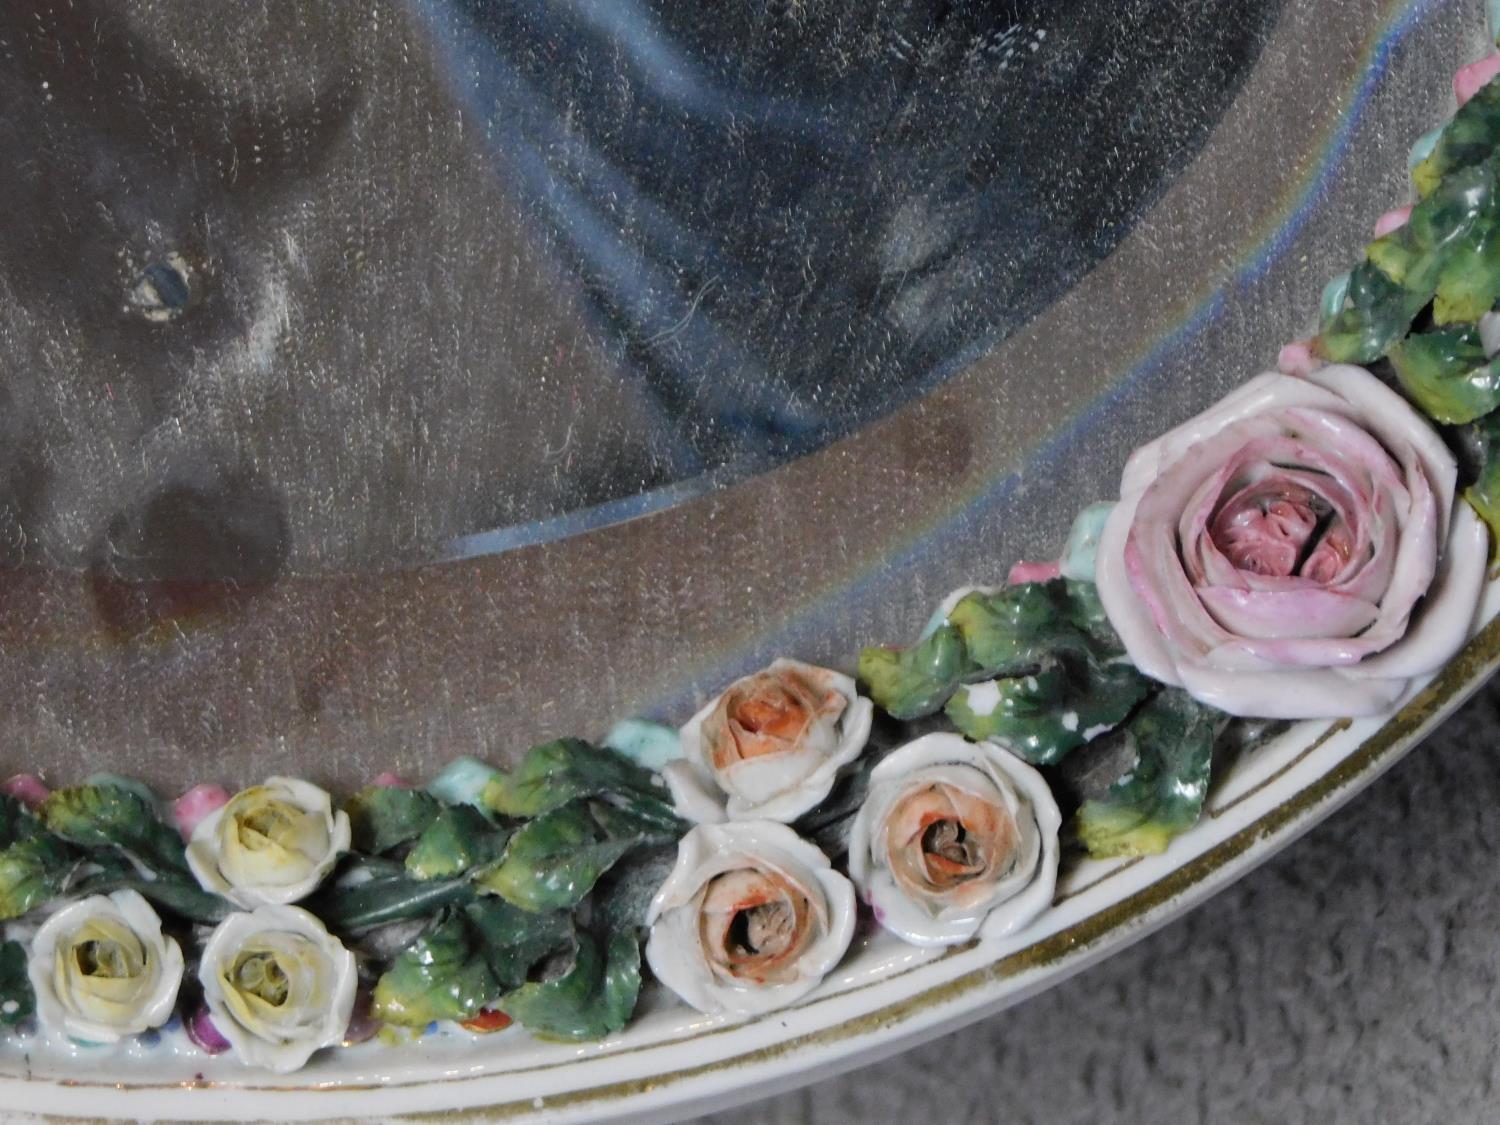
{"x": 555, "y": 773}
{"x": 908, "y": 683}
{"x": 33, "y": 871}
{"x": 555, "y": 860}
{"x": 101, "y": 816}
{"x": 442, "y": 976}
{"x": 457, "y": 841}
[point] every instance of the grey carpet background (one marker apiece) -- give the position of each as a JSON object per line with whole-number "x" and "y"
{"x": 1353, "y": 978}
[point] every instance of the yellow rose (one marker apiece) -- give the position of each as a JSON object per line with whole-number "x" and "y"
{"x": 278, "y": 986}
{"x": 271, "y": 843}
{"x": 101, "y": 968}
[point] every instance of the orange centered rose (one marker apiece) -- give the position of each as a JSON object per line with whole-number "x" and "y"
{"x": 948, "y": 846}
{"x": 771, "y": 712}
{"x": 754, "y": 924}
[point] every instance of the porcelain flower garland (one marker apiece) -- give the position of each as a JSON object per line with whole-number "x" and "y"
{"x": 1300, "y": 549}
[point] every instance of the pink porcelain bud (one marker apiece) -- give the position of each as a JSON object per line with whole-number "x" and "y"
{"x": 27, "y": 788}
{"x": 1297, "y": 359}
{"x": 1024, "y": 572}
{"x": 1472, "y": 78}
{"x": 1394, "y": 219}
{"x": 201, "y": 1030}
{"x": 196, "y": 804}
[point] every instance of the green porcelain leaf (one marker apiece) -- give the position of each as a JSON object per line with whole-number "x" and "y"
{"x": 593, "y": 997}
{"x": 1162, "y": 794}
{"x": 381, "y": 819}
{"x": 1047, "y": 662}
{"x": 101, "y": 816}
{"x": 1484, "y": 493}
{"x": 514, "y": 941}
{"x": 1044, "y": 714}
{"x": 1447, "y": 254}
{"x": 33, "y": 871}
{"x": 1447, "y": 374}
{"x": 555, "y": 773}
{"x": 466, "y": 960}
{"x": 362, "y": 905}
{"x": 1468, "y": 139}
{"x": 443, "y": 975}
{"x": 16, "y": 821}
{"x": 908, "y": 683}
{"x": 458, "y": 840}
{"x": 17, "y": 1000}
{"x": 555, "y": 860}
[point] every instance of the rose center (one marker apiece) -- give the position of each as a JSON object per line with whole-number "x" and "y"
{"x": 1278, "y": 529}
{"x": 951, "y": 853}
{"x": 261, "y": 974}
{"x": 105, "y": 958}
{"x": 771, "y": 718}
{"x": 271, "y": 822}
{"x": 764, "y": 930}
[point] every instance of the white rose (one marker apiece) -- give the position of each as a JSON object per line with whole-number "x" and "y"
{"x": 955, "y": 839}
{"x": 272, "y": 843}
{"x": 770, "y": 746}
{"x": 278, "y": 986}
{"x": 750, "y": 920}
{"x": 102, "y": 969}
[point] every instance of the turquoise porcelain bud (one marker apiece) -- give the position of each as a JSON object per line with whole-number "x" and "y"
{"x": 647, "y": 744}
{"x": 1425, "y": 143}
{"x": 462, "y": 782}
{"x": 1083, "y": 541}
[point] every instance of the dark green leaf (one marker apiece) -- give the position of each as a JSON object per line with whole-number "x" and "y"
{"x": 16, "y": 821}
{"x": 101, "y": 816}
{"x": 358, "y": 906}
{"x": 17, "y": 1001}
{"x": 512, "y": 941}
{"x": 466, "y": 959}
{"x": 459, "y": 840}
{"x": 594, "y": 997}
{"x": 384, "y": 818}
{"x": 1045, "y": 714}
{"x": 1470, "y": 138}
{"x": 176, "y": 896}
{"x": 1448, "y": 250}
{"x": 1484, "y": 493}
{"x": 1172, "y": 739}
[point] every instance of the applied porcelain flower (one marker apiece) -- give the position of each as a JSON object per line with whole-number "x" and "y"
{"x": 1295, "y": 551}
{"x": 278, "y": 986}
{"x": 271, "y": 843}
{"x": 750, "y": 920}
{"x": 771, "y": 746}
{"x": 101, "y": 969}
{"x": 955, "y": 839}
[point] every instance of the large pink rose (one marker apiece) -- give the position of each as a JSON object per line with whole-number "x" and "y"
{"x": 1295, "y": 551}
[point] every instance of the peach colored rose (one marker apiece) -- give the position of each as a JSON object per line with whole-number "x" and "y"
{"x": 770, "y": 746}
